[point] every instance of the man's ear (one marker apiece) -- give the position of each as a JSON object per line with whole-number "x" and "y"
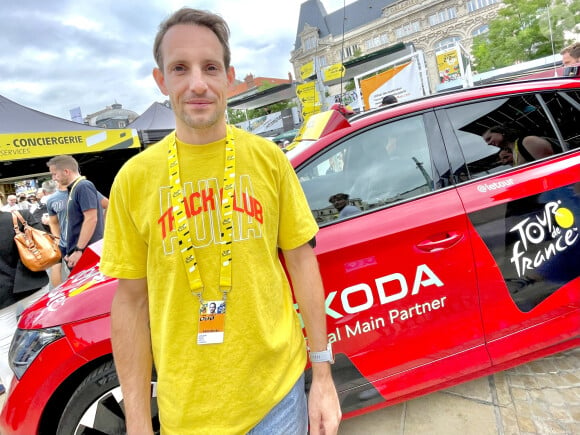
{"x": 231, "y": 75}
{"x": 160, "y": 80}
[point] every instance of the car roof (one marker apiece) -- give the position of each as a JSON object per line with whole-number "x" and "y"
{"x": 472, "y": 93}
{"x": 304, "y": 151}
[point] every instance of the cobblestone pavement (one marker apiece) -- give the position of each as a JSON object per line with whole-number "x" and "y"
{"x": 538, "y": 398}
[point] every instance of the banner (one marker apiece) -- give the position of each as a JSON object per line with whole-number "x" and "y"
{"x": 19, "y": 146}
{"x": 307, "y": 70}
{"x": 333, "y": 72}
{"x": 76, "y": 115}
{"x": 263, "y": 124}
{"x": 402, "y": 81}
{"x": 448, "y": 64}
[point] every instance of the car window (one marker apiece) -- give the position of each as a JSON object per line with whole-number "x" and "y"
{"x": 565, "y": 108}
{"x": 378, "y": 167}
{"x": 496, "y": 135}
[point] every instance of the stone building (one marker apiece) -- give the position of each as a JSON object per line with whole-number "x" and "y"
{"x": 113, "y": 116}
{"x": 372, "y": 26}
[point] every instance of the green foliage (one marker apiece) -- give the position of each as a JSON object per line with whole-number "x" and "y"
{"x": 350, "y": 86}
{"x": 522, "y": 30}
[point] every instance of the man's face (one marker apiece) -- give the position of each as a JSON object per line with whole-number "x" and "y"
{"x": 212, "y": 308}
{"x": 61, "y": 176}
{"x": 568, "y": 60}
{"x": 195, "y": 79}
{"x": 339, "y": 202}
{"x": 11, "y": 199}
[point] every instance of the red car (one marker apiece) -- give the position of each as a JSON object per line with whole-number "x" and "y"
{"x": 444, "y": 259}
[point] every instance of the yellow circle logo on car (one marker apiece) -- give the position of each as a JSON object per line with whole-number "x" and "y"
{"x": 564, "y": 217}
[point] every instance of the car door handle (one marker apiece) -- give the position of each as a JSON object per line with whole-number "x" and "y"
{"x": 436, "y": 243}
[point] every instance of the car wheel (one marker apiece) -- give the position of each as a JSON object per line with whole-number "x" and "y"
{"x": 96, "y": 407}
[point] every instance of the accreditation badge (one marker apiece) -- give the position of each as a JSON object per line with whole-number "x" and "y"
{"x": 212, "y": 316}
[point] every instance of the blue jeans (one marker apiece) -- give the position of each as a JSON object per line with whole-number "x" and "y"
{"x": 289, "y": 417}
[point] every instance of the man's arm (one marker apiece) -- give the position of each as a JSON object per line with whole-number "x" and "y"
{"x": 87, "y": 231}
{"x": 54, "y": 225}
{"x": 104, "y": 204}
{"x": 131, "y": 340}
{"x": 323, "y": 406}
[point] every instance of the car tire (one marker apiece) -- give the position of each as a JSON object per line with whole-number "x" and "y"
{"x": 96, "y": 406}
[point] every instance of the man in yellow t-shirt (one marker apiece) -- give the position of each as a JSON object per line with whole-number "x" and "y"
{"x": 219, "y": 205}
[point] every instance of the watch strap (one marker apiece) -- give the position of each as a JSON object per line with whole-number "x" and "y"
{"x": 322, "y": 356}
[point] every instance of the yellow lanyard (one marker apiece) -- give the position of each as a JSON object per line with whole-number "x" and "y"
{"x": 71, "y": 192}
{"x": 226, "y": 219}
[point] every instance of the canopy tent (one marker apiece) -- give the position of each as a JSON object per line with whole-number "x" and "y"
{"x": 28, "y": 139}
{"x": 154, "y": 124}
{"x": 26, "y": 133}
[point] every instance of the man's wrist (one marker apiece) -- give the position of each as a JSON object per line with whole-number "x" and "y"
{"x": 322, "y": 356}
{"x": 79, "y": 249}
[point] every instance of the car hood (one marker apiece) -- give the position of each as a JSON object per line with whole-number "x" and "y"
{"x": 86, "y": 293}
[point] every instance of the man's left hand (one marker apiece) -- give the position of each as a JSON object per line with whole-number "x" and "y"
{"x": 73, "y": 259}
{"x": 323, "y": 406}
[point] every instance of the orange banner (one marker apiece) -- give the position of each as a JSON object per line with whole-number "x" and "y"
{"x": 370, "y": 85}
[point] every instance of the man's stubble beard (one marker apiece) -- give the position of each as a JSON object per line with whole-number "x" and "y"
{"x": 196, "y": 124}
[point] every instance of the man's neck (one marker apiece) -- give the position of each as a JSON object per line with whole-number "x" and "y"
{"x": 74, "y": 180}
{"x": 201, "y": 136}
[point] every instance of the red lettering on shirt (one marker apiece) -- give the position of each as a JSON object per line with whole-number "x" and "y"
{"x": 204, "y": 201}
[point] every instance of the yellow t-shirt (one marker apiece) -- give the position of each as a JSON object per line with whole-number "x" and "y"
{"x": 220, "y": 388}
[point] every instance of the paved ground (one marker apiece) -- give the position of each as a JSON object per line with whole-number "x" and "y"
{"x": 539, "y": 398}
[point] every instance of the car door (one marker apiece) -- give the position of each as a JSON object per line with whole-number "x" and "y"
{"x": 401, "y": 294}
{"x": 523, "y": 218}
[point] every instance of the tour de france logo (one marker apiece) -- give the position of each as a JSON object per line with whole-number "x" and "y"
{"x": 564, "y": 218}
{"x": 541, "y": 238}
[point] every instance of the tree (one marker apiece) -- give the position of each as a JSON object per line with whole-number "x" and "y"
{"x": 522, "y": 32}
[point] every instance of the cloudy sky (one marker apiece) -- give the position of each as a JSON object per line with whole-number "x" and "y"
{"x": 58, "y": 55}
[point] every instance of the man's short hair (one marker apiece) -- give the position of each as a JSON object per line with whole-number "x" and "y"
{"x": 573, "y": 50}
{"x": 389, "y": 99}
{"x": 191, "y": 16}
{"x": 338, "y": 197}
{"x": 49, "y": 186}
{"x": 64, "y": 162}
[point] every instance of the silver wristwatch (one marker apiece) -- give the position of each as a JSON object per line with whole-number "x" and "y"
{"x": 323, "y": 356}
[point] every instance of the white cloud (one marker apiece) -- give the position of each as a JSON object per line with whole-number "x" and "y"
{"x": 59, "y": 55}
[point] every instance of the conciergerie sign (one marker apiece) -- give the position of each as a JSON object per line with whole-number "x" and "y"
{"x": 18, "y": 146}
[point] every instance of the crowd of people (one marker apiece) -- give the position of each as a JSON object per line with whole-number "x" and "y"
{"x": 69, "y": 207}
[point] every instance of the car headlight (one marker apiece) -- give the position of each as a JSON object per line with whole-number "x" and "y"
{"x": 27, "y": 344}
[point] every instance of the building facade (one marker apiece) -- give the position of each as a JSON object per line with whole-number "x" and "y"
{"x": 113, "y": 116}
{"x": 431, "y": 26}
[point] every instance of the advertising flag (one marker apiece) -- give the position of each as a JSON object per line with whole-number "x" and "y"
{"x": 402, "y": 81}
{"x": 448, "y": 65}
{"x": 76, "y": 115}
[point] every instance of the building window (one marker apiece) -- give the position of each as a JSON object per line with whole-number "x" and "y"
{"x": 321, "y": 62}
{"x": 473, "y": 5}
{"x": 442, "y": 16}
{"x": 350, "y": 51}
{"x": 377, "y": 41}
{"x": 407, "y": 29}
{"x": 480, "y": 30}
{"x": 446, "y": 43}
{"x": 310, "y": 43}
